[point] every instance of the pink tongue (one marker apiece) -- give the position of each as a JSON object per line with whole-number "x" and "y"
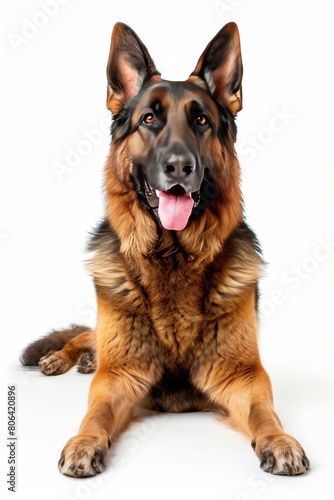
{"x": 174, "y": 211}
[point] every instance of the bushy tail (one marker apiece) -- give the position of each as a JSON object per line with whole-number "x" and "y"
{"x": 54, "y": 341}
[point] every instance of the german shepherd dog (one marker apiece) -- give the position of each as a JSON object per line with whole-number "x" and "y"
{"x": 175, "y": 266}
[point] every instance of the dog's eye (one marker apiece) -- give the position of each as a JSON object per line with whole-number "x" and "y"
{"x": 202, "y": 120}
{"x": 149, "y": 118}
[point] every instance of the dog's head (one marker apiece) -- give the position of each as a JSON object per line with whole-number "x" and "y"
{"x": 175, "y": 132}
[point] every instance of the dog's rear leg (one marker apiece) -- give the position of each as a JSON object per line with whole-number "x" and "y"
{"x": 80, "y": 348}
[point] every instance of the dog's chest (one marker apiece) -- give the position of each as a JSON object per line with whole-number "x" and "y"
{"x": 175, "y": 300}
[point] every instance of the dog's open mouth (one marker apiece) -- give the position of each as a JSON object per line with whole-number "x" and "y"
{"x": 175, "y": 207}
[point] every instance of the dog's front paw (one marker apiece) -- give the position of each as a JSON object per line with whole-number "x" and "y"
{"x": 54, "y": 363}
{"x": 83, "y": 456}
{"x": 281, "y": 455}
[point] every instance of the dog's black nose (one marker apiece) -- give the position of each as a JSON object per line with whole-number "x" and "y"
{"x": 179, "y": 166}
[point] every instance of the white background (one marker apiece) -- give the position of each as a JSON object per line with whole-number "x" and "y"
{"x": 54, "y": 98}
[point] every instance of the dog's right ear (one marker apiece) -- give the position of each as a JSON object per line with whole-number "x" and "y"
{"x": 129, "y": 66}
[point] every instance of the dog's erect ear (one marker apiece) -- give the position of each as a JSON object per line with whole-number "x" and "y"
{"x": 220, "y": 66}
{"x": 129, "y": 65}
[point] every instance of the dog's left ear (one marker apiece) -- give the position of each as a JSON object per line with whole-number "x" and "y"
{"x": 129, "y": 66}
{"x": 220, "y": 66}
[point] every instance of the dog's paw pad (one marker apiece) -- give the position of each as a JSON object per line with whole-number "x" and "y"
{"x": 53, "y": 364}
{"x": 283, "y": 455}
{"x": 83, "y": 457}
{"x": 86, "y": 363}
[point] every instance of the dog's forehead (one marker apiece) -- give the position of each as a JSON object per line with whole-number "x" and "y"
{"x": 176, "y": 93}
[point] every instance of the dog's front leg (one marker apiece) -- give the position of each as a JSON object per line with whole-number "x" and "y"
{"x": 236, "y": 382}
{"x": 279, "y": 453}
{"x": 126, "y": 371}
{"x": 244, "y": 394}
{"x": 251, "y": 408}
{"x": 111, "y": 400}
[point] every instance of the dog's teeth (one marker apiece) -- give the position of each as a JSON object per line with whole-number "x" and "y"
{"x": 157, "y": 193}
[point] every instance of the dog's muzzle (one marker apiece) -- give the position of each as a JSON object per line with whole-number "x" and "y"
{"x": 200, "y": 199}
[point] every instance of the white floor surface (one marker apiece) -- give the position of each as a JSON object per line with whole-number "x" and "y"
{"x": 168, "y": 456}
